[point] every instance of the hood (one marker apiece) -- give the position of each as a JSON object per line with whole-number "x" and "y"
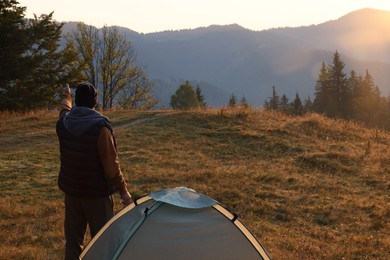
{"x": 80, "y": 119}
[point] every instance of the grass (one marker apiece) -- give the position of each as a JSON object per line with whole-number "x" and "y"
{"x": 307, "y": 187}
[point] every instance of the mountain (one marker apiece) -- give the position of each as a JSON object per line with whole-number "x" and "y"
{"x": 362, "y": 35}
{"x": 231, "y": 59}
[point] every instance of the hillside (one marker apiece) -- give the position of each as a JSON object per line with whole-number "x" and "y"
{"x": 307, "y": 187}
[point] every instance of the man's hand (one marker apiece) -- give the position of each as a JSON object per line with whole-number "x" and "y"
{"x": 126, "y": 199}
{"x": 66, "y": 88}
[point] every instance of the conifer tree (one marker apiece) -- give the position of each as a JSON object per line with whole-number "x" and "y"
{"x": 307, "y": 105}
{"x": 32, "y": 66}
{"x": 200, "y": 97}
{"x": 244, "y": 103}
{"x": 355, "y": 97}
{"x": 321, "y": 90}
{"x": 297, "y": 107}
{"x": 340, "y": 92}
{"x": 369, "y": 106}
{"x": 266, "y": 105}
{"x": 274, "y": 101}
{"x": 354, "y": 82}
{"x": 333, "y": 95}
{"x": 13, "y": 41}
{"x": 284, "y": 105}
{"x": 232, "y": 100}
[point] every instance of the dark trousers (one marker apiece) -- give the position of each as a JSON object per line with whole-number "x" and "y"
{"x": 78, "y": 213}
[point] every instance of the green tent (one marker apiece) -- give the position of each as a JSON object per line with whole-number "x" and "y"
{"x": 176, "y": 223}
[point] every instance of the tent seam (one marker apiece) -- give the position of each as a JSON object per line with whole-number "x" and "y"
{"x": 135, "y": 227}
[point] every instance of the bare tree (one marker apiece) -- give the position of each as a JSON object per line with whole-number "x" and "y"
{"x": 138, "y": 93}
{"x": 110, "y": 64}
{"x": 86, "y": 42}
{"x": 118, "y": 64}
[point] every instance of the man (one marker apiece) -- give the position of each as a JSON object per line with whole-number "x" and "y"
{"x": 90, "y": 171}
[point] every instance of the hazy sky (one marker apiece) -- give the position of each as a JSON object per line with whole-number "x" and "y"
{"x": 146, "y": 16}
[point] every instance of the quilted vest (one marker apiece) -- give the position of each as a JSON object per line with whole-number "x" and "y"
{"x": 81, "y": 173}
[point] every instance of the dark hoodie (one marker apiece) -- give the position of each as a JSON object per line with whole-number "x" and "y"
{"x": 82, "y": 173}
{"x": 80, "y": 119}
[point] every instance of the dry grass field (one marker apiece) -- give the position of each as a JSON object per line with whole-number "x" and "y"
{"x": 307, "y": 187}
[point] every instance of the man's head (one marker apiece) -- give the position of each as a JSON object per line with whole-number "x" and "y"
{"x": 86, "y": 95}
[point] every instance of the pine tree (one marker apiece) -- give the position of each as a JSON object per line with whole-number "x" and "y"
{"x": 14, "y": 41}
{"x": 232, "y": 100}
{"x": 50, "y": 66}
{"x": 307, "y": 105}
{"x": 32, "y": 66}
{"x": 200, "y": 97}
{"x": 274, "y": 101}
{"x": 266, "y": 105}
{"x": 354, "y": 82}
{"x": 321, "y": 90}
{"x": 297, "y": 107}
{"x": 244, "y": 103}
{"x": 284, "y": 105}
{"x": 355, "y": 97}
{"x": 340, "y": 98}
{"x": 369, "y": 106}
{"x": 333, "y": 94}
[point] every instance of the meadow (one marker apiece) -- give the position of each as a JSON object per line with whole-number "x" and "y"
{"x": 307, "y": 187}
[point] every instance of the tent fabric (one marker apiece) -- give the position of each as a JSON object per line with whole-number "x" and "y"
{"x": 183, "y": 197}
{"x": 182, "y": 225}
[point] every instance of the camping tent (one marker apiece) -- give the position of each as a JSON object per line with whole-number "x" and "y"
{"x": 176, "y": 223}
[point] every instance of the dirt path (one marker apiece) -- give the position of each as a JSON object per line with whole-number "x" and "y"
{"x": 141, "y": 120}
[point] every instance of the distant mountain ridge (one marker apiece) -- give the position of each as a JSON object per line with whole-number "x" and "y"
{"x": 231, "y": 59}
{"x": 363, "y": 35}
